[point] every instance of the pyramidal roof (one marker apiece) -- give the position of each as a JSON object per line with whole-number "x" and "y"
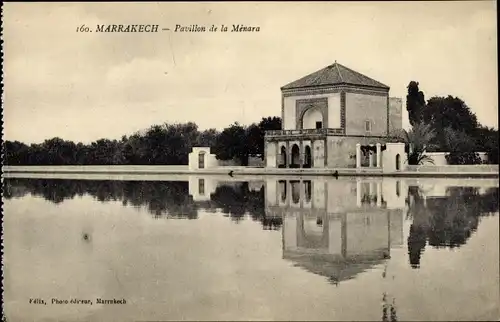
{"x": 335, "y": 74}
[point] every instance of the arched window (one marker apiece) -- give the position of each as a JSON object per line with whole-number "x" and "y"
{"x": 201, "y": 186}
{"x": 295, "y": 157}
{"x": 398, "y": 162}
{"x": 307, "y": 157}
{"x": 312, "y": 118}
{"x": 282, "y": 163}
{"x": 201, "y": 160}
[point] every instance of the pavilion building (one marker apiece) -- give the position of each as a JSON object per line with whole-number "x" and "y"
{"x": 329, "y": 117}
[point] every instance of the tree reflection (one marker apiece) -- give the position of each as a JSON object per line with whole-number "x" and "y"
{"x": 162, "y": 199}
{"x": 159, "y": 198}
{"x": 447, "y": 221}
{"x": 239, "y": 201}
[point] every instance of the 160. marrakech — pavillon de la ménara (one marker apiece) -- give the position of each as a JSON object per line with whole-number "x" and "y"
{"x": 327, "y": 116}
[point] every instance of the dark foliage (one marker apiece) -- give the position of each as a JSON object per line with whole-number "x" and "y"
{"x": 456, "y": 127}
{"x": 160, "y": 144}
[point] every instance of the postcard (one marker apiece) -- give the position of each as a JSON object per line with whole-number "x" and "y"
{"x": 168, "y": 161}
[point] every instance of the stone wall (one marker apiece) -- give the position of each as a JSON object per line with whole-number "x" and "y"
{"x": 318, "y": 152}
{"x": 367, "y": 231}
{"x": 439, "y": 158}
{"x": 366, "y": 107}
{"x": 93, "y": 168}
{"x": 454, "y": 168}
{"x": 341, "y": 150}
{"x": 395, "y": 114}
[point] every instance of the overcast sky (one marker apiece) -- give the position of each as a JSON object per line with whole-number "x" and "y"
{"x": 86, "y": 86}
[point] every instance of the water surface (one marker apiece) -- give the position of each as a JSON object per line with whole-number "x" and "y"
{"x": 206, "y": 248}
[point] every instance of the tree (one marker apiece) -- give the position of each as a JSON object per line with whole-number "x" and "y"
{"x": 159, "y": 144}
{"x": 257, "y": 132}
{"x": 415, "y": 103}
{"x": 461, "y": 147}
{"x": 208, "y": 138}
{"x": 255, "y": 139}
{"x": 449, "y": 112}
{"x": 231, "y": 144}
{"x": 268, "y": 124}
{"x": 453, "y": 113}
{"x": 15, "y": 152}
{"x": 487, "y": 141}
{"x": 418, "y": 140}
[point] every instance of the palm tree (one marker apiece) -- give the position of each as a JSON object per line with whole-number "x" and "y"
{"x": 419, "y": 139}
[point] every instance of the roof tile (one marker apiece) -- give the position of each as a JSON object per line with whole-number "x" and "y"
{"x": 335, "y": 74}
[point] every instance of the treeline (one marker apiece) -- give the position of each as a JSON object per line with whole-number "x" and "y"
{"x": 450, "y": 126}
{"x": 167, "y": 144}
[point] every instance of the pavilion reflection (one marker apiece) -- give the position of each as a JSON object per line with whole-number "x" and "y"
{"x": 338, "y": 228}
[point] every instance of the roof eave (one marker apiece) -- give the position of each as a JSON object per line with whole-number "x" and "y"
{"x": 384, "y": 87}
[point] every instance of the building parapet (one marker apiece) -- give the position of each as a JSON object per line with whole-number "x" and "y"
{"x": 304, "y": 132}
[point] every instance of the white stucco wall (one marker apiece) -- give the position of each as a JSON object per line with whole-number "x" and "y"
{"x": 334, "y": 110}
{"x": 271, "y": 148}
{"x": 439, "y": 158}
{"x": 289, "y": 107}
{"x": 290, "y": 232}
{"x": 394, "y": 192}
{"x": 271, "y": 192}
{"x": 289, "y": 122}
{"x": 389, "y": 157}
{"x": 200, "y": 188}
{"x": 210, "y": 160}
{"x": 334, "y": 236}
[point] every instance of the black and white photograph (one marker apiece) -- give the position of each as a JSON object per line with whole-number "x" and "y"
{"x": 250, "y": 161}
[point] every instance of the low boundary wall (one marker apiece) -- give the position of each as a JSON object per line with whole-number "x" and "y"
{"x": 481, "y": 171}
{"x": 453, "y": 168}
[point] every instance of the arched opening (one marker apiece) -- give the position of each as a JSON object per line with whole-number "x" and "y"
{"x": 282, "y": 185}
{"x": 201, "y": 160}
{"x": 313, "y": 232}
{"x": 295, "y": 157}
{"x": 398, "y": 162}
{"x": 307, "y": 157}
{"x": 307, "y": 190}
{"x": 398, "y": 188}
{"x": 312, "y": 119}
{"x": 295, "y": 191}
{"x": 282, "y": 162}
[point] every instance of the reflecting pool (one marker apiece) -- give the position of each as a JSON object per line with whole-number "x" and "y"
{"x": 221, "y": 248}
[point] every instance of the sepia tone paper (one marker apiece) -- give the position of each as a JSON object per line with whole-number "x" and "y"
{"x": 90, "y": 247}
